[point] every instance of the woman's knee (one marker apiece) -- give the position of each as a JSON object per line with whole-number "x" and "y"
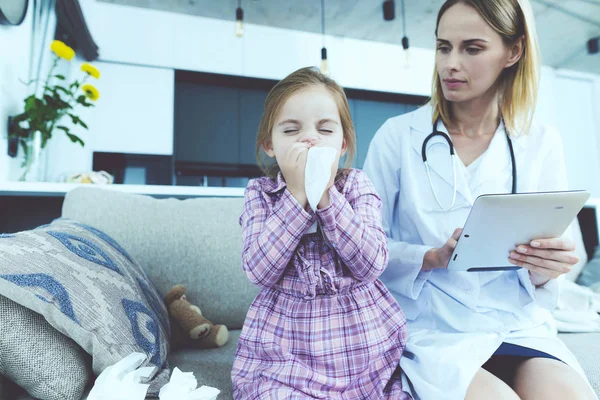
{"x": 487, "y": 386}
{"x": 543, "y": 378}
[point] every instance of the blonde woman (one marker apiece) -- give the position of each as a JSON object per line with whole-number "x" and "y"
{"x": 475, "y": 335}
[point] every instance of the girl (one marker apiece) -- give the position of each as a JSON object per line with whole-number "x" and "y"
{"x": 323, "y": 325}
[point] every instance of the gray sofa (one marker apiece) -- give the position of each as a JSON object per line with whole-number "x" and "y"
{"x": 197, "y": 242}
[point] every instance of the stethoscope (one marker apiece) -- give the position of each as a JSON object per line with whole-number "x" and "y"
{"x": 453, "y": 157}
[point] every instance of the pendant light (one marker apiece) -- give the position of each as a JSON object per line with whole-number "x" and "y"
{"x": 405, "y": 45}
{"x": 239, "y": 20}
{"x": 324, "y": 63}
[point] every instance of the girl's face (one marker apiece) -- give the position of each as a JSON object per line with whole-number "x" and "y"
{"x": 311, "y": 116}
{"x": 470, "y": 54}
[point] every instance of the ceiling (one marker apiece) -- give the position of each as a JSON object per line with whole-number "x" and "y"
{"x": 564, "y": 26}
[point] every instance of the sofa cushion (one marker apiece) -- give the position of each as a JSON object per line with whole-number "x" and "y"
{"x": 586, "y": 347}
{"x": 195, "y": 242}
{"x": 88, "y": 288}
{"x": 210, "y": 367}
{"x": 37, "y": 357}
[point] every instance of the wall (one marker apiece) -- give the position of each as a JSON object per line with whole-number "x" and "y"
{"x": 578, "y": 120}
{"x": 14, "y": 66}
{"x": 150, "y": 37}
{"x": 139, "y": 49}
{"x": 134, "y": 114}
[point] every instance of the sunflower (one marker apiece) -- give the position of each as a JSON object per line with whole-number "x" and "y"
{"x": 62, "y": 50}
{"x": 91, "y": 92}
{"x": 90, "y": 70}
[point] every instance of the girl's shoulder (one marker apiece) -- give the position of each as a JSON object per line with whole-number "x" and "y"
{"x": 266, "y": 184}
{"x": 353, "y": 181}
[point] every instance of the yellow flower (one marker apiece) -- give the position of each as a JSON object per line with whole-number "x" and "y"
{"x": 91, "y": 92}
{"x": 90, "y": 70}
{"x": 62, "y": 50}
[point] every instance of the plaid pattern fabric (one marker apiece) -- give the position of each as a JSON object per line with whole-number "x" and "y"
{"x": 323, "y": 326}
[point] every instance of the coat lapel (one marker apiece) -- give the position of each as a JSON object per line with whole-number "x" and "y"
{"x": 438, "y": 154}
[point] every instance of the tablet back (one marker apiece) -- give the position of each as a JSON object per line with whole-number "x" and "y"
{"x": 498, "y": 223}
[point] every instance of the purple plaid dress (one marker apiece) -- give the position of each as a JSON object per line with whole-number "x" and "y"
{"x": 323, "y": 326}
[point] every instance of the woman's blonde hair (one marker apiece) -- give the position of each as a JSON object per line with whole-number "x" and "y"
{"x": 282, "y": 91}
{"x": 512, "y": 19}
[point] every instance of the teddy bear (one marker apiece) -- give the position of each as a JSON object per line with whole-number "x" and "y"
{"x": 189, "y": 328}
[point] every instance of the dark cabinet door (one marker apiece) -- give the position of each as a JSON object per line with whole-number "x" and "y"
{"x": 217, "y": 124}
{"x": 251, "y": 108}
{"x": 207, "y": 123}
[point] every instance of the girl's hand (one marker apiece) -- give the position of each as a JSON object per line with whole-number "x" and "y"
{"x": 292, "y": 168}
{"x": 545, "y": 258}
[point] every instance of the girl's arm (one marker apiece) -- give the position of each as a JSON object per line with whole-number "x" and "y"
{"x": 353, "y": 227}
{"x": 271, "y": 232}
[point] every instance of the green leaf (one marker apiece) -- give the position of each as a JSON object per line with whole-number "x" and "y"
{"x": 83, "y": 101}
{"x": 77, "y": 121}
{"x": 20, "y": 118}
{"x": 62, "y": 89}
{"x": 64, "y": 128}
{"x": 61, "y": 77}
{"x": 75, "y": 139}
{"x": 31, "y": 103}
{"x": 23, "y": 144}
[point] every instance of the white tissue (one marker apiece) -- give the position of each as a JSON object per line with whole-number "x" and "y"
{"x": 317, "y": 175}
{"x": 182, "y": 386}
{"x": 121, "y": 381}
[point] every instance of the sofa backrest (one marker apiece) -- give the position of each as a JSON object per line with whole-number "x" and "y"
{"x": 195, "y": 242}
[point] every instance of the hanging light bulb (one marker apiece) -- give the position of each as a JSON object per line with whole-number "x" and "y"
{"x": 239, "y": 20}
{"x": 324, "y": 63}
{"x": 406, "y": 53}
{"x": 405, "y": 45}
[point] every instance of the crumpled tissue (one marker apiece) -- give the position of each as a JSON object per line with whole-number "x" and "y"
{"x": 182, "y": 386}
{"x": 316, "y": 176}
{"x": 121, "y": 381}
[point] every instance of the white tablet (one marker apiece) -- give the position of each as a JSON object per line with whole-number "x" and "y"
{"x": 498, "y": 223}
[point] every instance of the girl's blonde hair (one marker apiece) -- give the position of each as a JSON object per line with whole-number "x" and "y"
{"x": 511, "y": 19}
{"x": 282, "y": 91}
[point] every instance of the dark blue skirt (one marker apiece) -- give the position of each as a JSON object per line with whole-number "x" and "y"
{"x": 505, "y": 360}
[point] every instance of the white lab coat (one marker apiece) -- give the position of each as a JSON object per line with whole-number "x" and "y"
{"x": 456, "y": 320}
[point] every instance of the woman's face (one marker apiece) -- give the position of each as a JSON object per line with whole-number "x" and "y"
{"x": 470, "y": 54}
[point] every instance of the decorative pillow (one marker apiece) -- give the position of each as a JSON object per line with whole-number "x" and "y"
{"x": 43, "y": 361}
{"x": 590, "y": 275}
{"x": 193, "y": 241}
{"x": 88, "y": 288}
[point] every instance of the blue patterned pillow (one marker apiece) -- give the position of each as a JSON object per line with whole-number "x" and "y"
{"x": 87, "y": 287}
